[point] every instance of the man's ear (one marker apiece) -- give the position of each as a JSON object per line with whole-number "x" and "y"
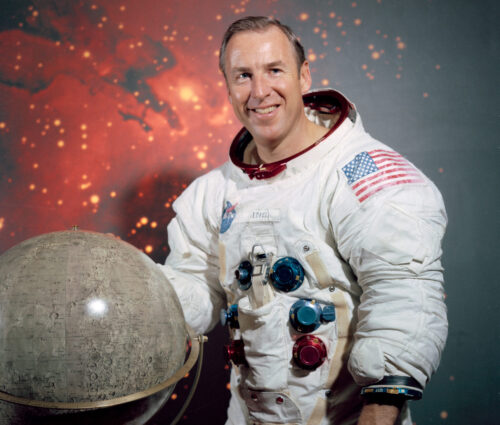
{"x": 229, "y": 97}
{"x": 305, "y": 77}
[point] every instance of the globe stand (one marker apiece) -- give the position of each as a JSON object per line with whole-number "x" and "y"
{"x": 196, "y": 353}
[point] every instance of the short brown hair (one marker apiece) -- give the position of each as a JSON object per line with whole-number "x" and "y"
{"x": 259, "y": 23}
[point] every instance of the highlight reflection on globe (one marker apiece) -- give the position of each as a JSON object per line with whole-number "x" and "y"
{"x": 85, "y": 317}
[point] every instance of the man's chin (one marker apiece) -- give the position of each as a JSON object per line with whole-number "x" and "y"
{"x": 266, "y": 138}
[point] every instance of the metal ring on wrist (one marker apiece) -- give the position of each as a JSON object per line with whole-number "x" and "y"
{"x": 403, "y": 386}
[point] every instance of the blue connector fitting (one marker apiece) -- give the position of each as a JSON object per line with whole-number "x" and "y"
{"x": 307, "y": 315}
{"x": 244, "y": 275}
{"x": 230, "y": 316}
{"x": 287, "y": 274}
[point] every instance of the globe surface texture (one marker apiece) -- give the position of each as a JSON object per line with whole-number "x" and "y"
{"x": 85, "y": 317}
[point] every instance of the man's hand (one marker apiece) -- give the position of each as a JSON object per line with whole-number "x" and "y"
{"x": 380, "y": 412}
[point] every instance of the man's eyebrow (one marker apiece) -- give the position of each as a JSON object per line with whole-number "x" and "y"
{"x": 240, "y": 69}
{"x": 274, "y": 64}
{"x": 267, "y": 65}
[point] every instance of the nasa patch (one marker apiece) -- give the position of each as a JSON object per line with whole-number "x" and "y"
{"x": 228, "y": 216}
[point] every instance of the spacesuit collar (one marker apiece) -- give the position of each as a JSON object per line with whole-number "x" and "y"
{"x": 324, "y": 102}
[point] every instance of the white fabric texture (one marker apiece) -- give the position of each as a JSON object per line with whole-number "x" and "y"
{"x": 383, "y": 252}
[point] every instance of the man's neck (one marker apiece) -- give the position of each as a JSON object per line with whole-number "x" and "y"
{"x": 304, "y": 136}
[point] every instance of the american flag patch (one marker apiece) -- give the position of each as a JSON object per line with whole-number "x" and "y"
{"x": 370, "y": 172}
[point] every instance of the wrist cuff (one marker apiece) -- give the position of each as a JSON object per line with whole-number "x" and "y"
{"x": 403, "y": 386}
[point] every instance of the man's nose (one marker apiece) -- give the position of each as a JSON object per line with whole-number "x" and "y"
{"x": 260, "y": 87}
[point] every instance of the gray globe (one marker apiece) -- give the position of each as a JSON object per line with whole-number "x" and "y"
{"x": 85, "y": 317}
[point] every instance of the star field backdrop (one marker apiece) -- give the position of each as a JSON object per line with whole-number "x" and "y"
{"x": 109, "y": 108}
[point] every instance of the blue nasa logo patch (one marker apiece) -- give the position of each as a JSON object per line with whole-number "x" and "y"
{"x": 228, "y": 216}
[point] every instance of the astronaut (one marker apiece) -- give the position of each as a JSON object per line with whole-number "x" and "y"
{"x": 316, "y": 244}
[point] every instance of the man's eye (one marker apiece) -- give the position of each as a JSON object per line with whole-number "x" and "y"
{"x": 275, "y": 71}
{"x": 243, "y": 76}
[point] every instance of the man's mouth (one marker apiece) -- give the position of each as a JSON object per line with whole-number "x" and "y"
{"x": 265, "y": 110}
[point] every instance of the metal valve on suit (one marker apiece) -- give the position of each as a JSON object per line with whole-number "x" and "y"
{"x": 307, "y": 315}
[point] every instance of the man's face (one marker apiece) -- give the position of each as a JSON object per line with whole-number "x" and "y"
{"x": 265, "y": 87}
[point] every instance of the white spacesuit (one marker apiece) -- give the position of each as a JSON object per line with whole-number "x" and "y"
{"x": 347, "y": 223}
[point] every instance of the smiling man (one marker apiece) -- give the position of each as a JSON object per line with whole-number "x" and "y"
{"x": 320, "y": 244}
{"x": 265, "y": 85}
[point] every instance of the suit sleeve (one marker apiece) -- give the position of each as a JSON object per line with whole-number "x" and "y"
{"x": 392, "y": 242}
{"x": 192, "y": 266}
